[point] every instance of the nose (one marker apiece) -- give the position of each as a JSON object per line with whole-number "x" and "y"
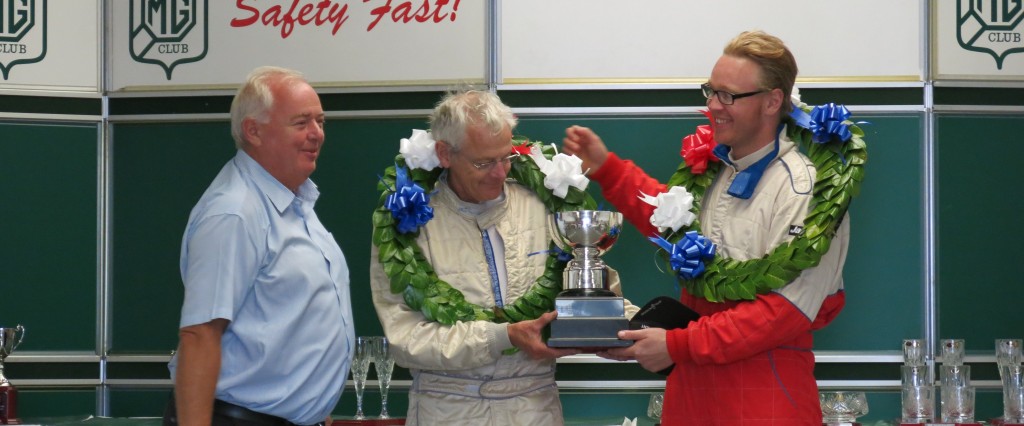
{"x": 500, "y": 170}
{"x": 715, "y": 106}
{"x": 714, "y": 99}
{"x": 317, "y": 132}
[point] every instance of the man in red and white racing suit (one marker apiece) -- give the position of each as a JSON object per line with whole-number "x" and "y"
{"x": 746, "y": 362}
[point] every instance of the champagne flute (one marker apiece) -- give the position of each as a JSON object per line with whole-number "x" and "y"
{"x": 361, "y": 356}
{"x": 384, "y": 363}
{"x": 1008, "y": 352}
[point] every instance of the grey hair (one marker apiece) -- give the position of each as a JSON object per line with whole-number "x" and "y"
{"x": 255, "y": 98}
{"x": 461, "y": 109}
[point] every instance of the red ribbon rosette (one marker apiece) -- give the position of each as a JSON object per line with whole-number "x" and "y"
{"x": 698, "y": 146}
{"x": 523, "y": 149}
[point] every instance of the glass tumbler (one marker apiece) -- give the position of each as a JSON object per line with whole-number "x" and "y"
{"x": 1013, "y": 393}
{"x": 955, "y": 376}
{"x": 913, "y": 352}
{"x": 953, "y": 352}
{"x": 918, "y": 404}
{"x": 1008, "y": 352}
{"x": 958, "y": 404}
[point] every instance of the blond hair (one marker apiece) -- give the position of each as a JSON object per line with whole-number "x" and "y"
{"x": 778, "y": 66}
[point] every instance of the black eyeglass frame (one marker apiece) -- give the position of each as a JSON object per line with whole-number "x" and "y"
{"x": 708, "y": 92}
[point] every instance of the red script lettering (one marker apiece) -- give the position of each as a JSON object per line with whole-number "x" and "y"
{"x": 325, "y": 11}
{"x": 404, "y": 12}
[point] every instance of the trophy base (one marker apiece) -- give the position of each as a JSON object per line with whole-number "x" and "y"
{"x": 589, "y": 322}
{"x": 9, "y": 405}
{"x": 586, "y": 292}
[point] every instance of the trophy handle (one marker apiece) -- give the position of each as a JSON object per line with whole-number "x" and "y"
{"x": 19, "y": 329}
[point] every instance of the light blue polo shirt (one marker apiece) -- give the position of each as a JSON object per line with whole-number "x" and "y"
{"x": 255, "y": 253}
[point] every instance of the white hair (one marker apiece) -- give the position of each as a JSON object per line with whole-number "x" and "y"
{"x": 459, "y": 110}
{"x": 255, "y": 98}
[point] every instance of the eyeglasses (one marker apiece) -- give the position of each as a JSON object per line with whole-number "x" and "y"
{"x": 488, "y": 165}
{"x": 724, "y": 97}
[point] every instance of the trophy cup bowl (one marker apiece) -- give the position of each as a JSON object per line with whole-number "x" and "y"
{"x": 590, "y": 315}
{"x": 588, "y": 229}
{"x": 10, "y": 338}
{"x": 590, "y": 234}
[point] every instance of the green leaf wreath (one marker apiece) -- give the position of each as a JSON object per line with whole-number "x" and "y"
{"x": 840, "y": 171}
{"x": 411, "y": 274}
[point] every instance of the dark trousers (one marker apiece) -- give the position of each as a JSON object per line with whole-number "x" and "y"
{"x": 225, "y": 414}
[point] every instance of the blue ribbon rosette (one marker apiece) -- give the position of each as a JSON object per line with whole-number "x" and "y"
{"x": 409, "y": 204}
{"x": 825, "y": 122}
{"x": 688, "y": 255}
{"x": 830, "y": 118}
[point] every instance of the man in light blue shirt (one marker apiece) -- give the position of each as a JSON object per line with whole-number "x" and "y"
{"x": 266, "y": 326}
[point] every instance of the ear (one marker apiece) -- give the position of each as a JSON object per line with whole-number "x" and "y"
{"x": 773, "y": 104}
{"x": 444, "y": 152}
{"x": 251, "y": 132}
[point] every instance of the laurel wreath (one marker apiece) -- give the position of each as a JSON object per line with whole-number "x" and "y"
{"x": 840, "y": 171}
{"x": 411, "y": 274}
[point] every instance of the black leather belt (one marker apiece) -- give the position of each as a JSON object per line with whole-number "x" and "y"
{"x": 245, "y": 414}
{"x": 231, "y": 411}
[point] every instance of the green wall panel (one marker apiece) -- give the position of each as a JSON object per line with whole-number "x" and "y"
{"x": 49, "y": 233}
{"x": 979, "y": 231}
{"x": 51, "y": 406}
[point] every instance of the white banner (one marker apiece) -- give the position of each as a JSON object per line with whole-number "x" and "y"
{"x": 978, "y": 40}
{"x": 197, "y": 44}
{"x": 50, "y": 45}
{"x": 581, "y": 41}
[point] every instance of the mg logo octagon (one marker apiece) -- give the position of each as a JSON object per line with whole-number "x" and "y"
{"x": 168, "y": 32}
{"x": 991, "y": 26}
{"x": 22, "y": 33}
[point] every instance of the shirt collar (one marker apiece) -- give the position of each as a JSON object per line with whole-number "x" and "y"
{"x": 750, "y": 168}
{"x": 279, "y": 195}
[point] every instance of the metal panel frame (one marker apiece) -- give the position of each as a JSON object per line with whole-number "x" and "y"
{"x": 101, "y": 356}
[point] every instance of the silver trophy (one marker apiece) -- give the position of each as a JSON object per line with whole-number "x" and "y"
{"x": 10, "y": 338}
{"x": 590, "y": 315}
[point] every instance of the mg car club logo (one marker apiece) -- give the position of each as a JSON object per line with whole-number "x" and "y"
{"x": 168, "y": 32}
{"x": 22, "y": 33}
{"x": 991, "y": 26}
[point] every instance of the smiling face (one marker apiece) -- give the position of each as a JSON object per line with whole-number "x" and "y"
{"x": 288, "y": 143}
{"x": 481, "y": 145}
{"x": 750, "y": 122}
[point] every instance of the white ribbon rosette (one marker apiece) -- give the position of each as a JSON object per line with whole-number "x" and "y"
{"x": 672, "y": 208}
{"x": 560, "y": 172}
{"x": 795, "y": 98}
{"x": 418, "y": 151}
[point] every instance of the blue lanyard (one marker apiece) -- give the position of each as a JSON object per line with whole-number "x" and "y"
{"x": 743, "y": 185}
